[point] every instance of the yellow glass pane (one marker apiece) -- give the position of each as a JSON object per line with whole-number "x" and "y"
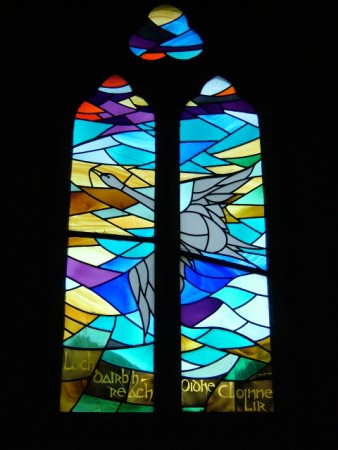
{"x": 88, "y": 301}
{"x": 188, "y": 344}
{"x": 70, "y": 394}
{"x": 78, "y": 315}
{"x": 131, "y": 222}
{"x": 92, "y": 255}
{"x": 226, "y": 169}
{"x": 90, "y": 223}
{"x": 164, "y": 14}
{"x": 246, "y": 211}
{"x": 72, "y": 326}
{"x": 251, "y": 148}
{"x": 255, "y": 352}
{"x": 147, "y": 175}
{"x": 252, "y": 184}
{"x": 77, "y": 241}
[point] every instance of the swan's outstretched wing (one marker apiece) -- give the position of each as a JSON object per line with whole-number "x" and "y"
{"x": 142, "y": 282}
{"x": 218, "y": 189}
{"x": 203, "y": 226}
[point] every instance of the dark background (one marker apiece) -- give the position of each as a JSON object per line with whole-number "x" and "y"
{"x": 281, "y": 58}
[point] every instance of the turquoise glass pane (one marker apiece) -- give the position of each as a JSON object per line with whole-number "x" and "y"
{"x": 83, "y": 131}
{"x": 104, "y": 323}
{"x": 138, "y": 358}
{"x": 224, "y": 339}
{"x": 203, "y": 355}
{"x": 126, "y": 332}
{"x": 198, "y": 130}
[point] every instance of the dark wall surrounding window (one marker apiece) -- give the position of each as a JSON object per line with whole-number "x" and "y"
{"x": 281, "y": 60}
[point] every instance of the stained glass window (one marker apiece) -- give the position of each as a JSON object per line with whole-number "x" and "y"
{"x": 224, "y": 291}
{"x": 108, "y": 362}
{"x": 166, "y": 33}
{"x": 109, "y": 336}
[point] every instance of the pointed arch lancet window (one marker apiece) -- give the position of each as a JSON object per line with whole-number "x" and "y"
{"x": 224, "y": 292}
{"x": 109, "y": 314}
{"x": 108, "y": 362}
